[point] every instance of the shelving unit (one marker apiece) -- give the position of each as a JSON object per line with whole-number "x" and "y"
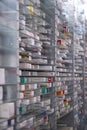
{"x": 85, "y": 69}
{"x": 70, "y": 67}
{"x": 63, "y": 54}
{"x": 78, "y": 70}
{"x": 36, "y": 67}
{"x": 42, "y": 64}
{"x": 8, "y": 63}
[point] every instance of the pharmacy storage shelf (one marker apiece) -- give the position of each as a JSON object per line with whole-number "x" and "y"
{"x": 63, "y": 56}
{"x": 8, "y": 64}
{"x": 43, "y": 82}
{"x": 36, "y": 63}
{"x": 69, "y": 62}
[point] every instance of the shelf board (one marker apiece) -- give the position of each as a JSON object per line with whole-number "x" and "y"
{"x": 36, "y": 70}
{"x": 34, "y": 62}
{"x": 33, "y": 56}
{"x": 37, "y": 76}
{"x": 35, "y": 82}
{"x": 9, "y": 84}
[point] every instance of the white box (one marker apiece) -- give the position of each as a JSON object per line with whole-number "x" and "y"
{"x": 1, "y": 92}
{"x": 3, "y": 124}
{"x": 12, "y": 122}
{"x": 21, "y": 95}
{"x": 26, "y": 102}
{"x": 22, "y": 88}
{"x": 2, "y": 78}
{"x": 10, "y": 128}
{"x": 20, "y": 72}
{"x": 7, "y": 110}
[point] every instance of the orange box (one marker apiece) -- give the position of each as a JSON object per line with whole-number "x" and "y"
{"x": 58, "y": 93}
